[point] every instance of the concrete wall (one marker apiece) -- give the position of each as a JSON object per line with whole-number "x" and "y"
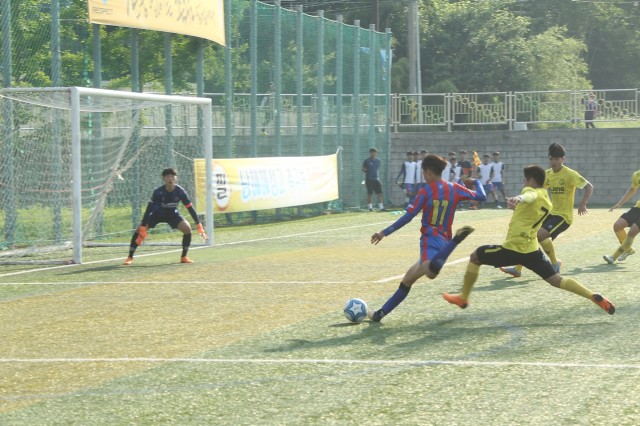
{"x": 605, "y": 157}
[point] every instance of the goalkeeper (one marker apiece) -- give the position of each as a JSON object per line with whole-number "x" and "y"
{"x": 163, "y": 207}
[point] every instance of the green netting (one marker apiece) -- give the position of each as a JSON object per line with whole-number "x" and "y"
{"x": 331, "y": 79}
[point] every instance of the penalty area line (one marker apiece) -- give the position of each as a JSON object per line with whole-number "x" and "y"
{"x": 408, "y": 362}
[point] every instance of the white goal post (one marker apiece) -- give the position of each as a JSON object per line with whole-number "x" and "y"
{"x": 79, "y": 166}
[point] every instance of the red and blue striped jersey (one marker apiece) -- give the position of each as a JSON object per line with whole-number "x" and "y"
{"x": 437, "y": 201}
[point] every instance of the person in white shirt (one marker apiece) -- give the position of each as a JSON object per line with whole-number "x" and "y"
{"x": 498, "y": 176}
{"x": 485, "y": 175}
{"x": 407, "y": 178}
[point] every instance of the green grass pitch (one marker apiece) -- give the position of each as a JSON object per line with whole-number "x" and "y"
{"x": 253, "y": 333}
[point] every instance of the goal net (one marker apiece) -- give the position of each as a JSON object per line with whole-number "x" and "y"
{"x": 79, "y": 166}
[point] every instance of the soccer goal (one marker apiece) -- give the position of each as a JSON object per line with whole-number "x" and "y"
{"x": 79, "y": 166}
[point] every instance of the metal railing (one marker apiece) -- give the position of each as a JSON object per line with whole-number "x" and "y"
{"x": 510, "y": 110}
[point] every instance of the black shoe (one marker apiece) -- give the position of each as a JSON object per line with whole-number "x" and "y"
{"x": 463, "y": 233}
{"x": 377, "y": 315}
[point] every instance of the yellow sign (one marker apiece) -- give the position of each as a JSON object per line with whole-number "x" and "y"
{"x": 199, "y": 18}
{"x": 247, "y": 184}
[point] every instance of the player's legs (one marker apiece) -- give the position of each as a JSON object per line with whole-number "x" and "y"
{"x": 185, "y": 228}
{"x": 137, "y": 238}
{"x": 625, "y": 247}
{"x": 494, "y": 255}
{"x": 572, "y": 285}
{"x": 377, "y": 188}
{"x": 370, "y": 188}
{"x": 629, "y": 219}
{"x": 433, "y": 255}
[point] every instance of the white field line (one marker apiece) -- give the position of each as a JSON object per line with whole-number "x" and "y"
{"x": 201, "y": 247}
{"x": 408, "y": 362}
{"x": 333, "y": 230}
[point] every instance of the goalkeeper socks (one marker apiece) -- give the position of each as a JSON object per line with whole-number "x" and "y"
{"x": 133, "y": 246}
{"x": 574, "y": 286}
{"x": 621, "y": 235}
{"x": 438, "y": 261}
{"x": 397, "y": 298}
{"x": 470, "y": 278}
{"x": 186, "y": 242}
{"x": 549, "y": 249}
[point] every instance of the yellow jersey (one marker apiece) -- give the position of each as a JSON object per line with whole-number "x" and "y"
{"x": 562, "y": 186}
{"x": 635, "y": 183}
{"x": 527, "y": 218}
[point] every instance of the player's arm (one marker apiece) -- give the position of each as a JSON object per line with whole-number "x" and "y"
{"x": 403, "y": 220}
{"x": 626, "y": 197}
{"x": 588, "y": 190}
{"x": 402, "y": 173}
{"x": 478, "y": 195}
{"x": 189, "y": 206}
{"x": 525, "y": 197}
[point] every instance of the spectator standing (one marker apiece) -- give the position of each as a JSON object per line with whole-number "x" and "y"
{"x": 590, "y": 111}
{"x": 371, "y": 167}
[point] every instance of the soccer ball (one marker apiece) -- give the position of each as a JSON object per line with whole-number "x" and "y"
{"x": 355, "y": 310}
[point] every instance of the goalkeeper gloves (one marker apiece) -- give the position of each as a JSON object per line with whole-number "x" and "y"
{"x": 142, "y": 234}
{"x": 201, "y": 231}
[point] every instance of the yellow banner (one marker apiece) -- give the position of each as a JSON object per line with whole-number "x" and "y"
{"x": 199, "y": 18}
{"x": 247, "y": 184}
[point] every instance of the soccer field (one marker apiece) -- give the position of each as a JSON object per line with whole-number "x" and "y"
{"x": 253, "y": 333}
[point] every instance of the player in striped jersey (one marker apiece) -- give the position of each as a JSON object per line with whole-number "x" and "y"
{"x": 437, "y": 200}
{"x": 163, "y": 207}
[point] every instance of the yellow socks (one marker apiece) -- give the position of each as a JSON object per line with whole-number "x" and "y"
{"x": 547, "y": 246}
{"x": 626, "y": 246}
{"x": 470, "y": 278}
{"x": 574, "y": 286}
{"x": 621, "y": 235}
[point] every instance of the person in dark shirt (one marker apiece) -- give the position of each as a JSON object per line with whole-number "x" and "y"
{"x": 163, "y": 207}
{"x": 370, "y": 167}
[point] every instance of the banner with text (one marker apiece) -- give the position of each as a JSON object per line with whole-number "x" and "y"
{"x": 246, "y": 184}
{"x": 199, "y": 18}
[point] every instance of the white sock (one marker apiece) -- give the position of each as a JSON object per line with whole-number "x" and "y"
{"x": 380, "y": 206}
{"x": 370, "y": 205}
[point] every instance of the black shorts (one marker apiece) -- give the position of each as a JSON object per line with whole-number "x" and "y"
{"x": 172, "y": 219}
{"x": 373, "y": 186}
{"x": 555, "y": 225}
{"x": 496, "y": 255}
{"x": 632, "y": 216}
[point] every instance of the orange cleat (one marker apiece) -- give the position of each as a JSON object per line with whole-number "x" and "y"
{"x": 455, "y": 299}
{"x": 128, "y": 261}
{"x": 185, "y": 259}
{"x": 604, "y": 303}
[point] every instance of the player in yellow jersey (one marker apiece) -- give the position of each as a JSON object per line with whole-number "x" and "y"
{"x": 561, "y": 181}
{"x": 530, "y": 209}
{"x": 630, "y": 219}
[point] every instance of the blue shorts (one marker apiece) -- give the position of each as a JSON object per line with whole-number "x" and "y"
{"x": 488, "y": 187}
{"x": 429, "y": 246}
{"x": 498, "y": 186}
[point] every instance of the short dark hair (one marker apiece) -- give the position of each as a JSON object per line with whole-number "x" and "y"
{"x": 496, "y": 153}
{"x": 556, "y": 150}
{"x": 435, "y": 163}
{"x": 462, "y": 151}
{"x": 536, "y": 172}
{"x": 486, "y": 156}
{"x": 409, "y": 152}
{"x": 372, "y": 150}
{"x": 169, "y": 171}
{"x": 423, "y": 151}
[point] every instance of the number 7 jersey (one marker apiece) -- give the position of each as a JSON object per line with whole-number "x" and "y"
{"x": 527, "y": 218}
